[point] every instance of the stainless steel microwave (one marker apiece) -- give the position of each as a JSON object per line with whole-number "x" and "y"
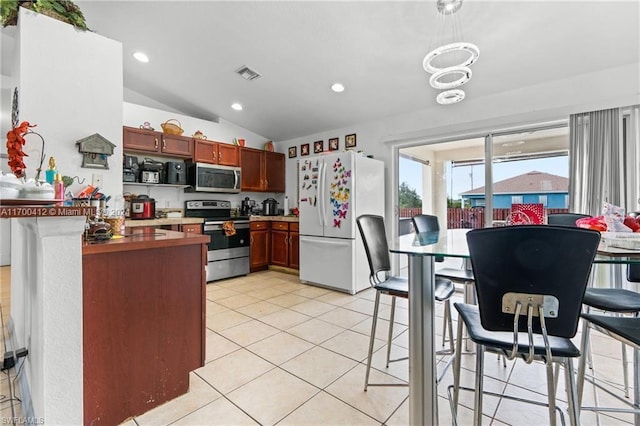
{"x": 205, "y": 177}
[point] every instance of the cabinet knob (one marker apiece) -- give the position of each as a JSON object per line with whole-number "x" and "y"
{"x": 155, "y": 145}
{"x": 164, "y": 144}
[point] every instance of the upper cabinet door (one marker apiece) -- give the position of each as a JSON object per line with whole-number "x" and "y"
{"x": 178, "y": 146}
{"x": 204, "y": 151}
{"x": 140, "y": 140}
{"x": 274, "y": 172}
{"x": 251, "y": 164}
{"x": 228, "y": 155}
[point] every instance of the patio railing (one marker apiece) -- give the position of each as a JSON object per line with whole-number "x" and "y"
{"x": 460, "y": 217}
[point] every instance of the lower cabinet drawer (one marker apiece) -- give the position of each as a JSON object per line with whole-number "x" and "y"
{"x": 280, "y": 226}
{"x": 193, "y": 228}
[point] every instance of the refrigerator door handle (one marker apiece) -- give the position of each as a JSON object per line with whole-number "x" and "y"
{"x": 326, "y": 241}
{"x": 323, "y": 193}
{"x": 319, "y": 195}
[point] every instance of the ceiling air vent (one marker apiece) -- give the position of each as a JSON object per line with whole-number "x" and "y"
{"x": 247, "y": 73}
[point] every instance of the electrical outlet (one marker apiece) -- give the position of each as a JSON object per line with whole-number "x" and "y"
{"x": 97, "y": 180}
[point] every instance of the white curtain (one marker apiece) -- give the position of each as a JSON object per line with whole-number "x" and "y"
{"x": 596, "y": 159}
{"x": 631, "y": 138}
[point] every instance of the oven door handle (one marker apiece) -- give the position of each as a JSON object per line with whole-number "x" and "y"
{"x": 218, "y": 227}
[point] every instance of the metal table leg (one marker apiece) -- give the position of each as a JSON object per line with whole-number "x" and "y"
{"x": 423, "y": 396}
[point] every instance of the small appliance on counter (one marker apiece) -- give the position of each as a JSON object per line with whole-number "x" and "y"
{"x": 143, "y": 207}
{"x": 247, "y": 207}
{"x": 175, "y": 173}
{"x": 129, "y": 168}
{"x": 151, "y": 171}
{"x": 270, "y": 207}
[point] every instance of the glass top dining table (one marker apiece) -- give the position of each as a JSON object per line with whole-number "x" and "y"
{"x": 421, "y": 250}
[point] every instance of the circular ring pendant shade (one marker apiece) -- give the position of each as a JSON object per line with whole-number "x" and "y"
{"x": 470, "y": 48}
{"x": 464, "y": 74}
{"x": 450, "y": 97}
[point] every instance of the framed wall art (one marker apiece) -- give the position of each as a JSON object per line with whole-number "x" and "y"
{"x": 293, "y": 151}
{"x": 334, "y": 144}
{"x": 318, "y": 146}
{"x": 350, "y": 140}
{"x": 304, "y": 149}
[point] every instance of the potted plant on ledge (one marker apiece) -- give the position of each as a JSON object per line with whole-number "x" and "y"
{"x": 62, "y": 10}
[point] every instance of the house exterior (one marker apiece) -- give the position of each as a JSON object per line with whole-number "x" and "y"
{"x": 533, "y": 187}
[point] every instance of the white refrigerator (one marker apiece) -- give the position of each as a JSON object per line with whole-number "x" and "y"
{"x": 334, "y": 189}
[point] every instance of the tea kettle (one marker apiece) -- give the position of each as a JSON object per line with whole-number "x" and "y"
{"x": 270, "y": 207}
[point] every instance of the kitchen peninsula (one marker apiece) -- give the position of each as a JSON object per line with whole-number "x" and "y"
{"x": 144, "y": 320}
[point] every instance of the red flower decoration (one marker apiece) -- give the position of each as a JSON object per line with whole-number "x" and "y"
{"x": 15, "y": 142}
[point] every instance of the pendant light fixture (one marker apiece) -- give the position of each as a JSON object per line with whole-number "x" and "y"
{"x": 450, "y": 73}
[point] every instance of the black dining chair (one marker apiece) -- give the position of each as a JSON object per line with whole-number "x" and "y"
{"x": 529, "y": 280}
{"x": 564, "y": 219}
{"x": 374, "y": 238}
{"x": 625, "y": 330}
{"x": 429, "y": 223}
{"x": 613, "y": 300}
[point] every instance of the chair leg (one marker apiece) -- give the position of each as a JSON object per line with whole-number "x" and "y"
{"x": 636, "y": 385}
{"x": 444, "y": 322}
{"x": 448, "y": 320}
{"x": 582, "y": 363}
{"x": 374, "y": 323}
{"x": 572, "y": 393}
{"x": 551, "y": 393}
{"x": 391, "y": 321}
{"x": 477, "y": 403}
{"x": 625, "y": 370}
{"x": 456, "y": 368}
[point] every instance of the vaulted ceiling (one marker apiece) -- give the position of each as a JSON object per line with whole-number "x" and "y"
{"x": 374, "y": 48}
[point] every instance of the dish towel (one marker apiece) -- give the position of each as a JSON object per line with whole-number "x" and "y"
{"x": 229, "y": 228}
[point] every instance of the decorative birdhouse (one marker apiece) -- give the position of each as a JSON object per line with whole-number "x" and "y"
{"x": 95, "y": 151}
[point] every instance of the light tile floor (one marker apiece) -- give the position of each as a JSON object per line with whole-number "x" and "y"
{"x": 282, "y": 352}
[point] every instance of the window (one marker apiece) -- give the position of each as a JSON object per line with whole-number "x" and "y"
{"x": 516, "y": 199}
{"x": 542, "y": 199}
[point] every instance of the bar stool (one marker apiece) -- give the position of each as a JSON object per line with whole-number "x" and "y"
{"x": 429, "y": 223}
{"x": 529, "y": 280}
{"x": 625, "y": 330}
{"x": 374, "y": 238}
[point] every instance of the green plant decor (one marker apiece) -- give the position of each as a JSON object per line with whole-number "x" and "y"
{"x": 62, "y": 10}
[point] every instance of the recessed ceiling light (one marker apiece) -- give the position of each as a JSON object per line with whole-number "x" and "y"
{"x": 337, "y": 87}
{"x": 236, "y": 106}
{"x": 142, "y": 57}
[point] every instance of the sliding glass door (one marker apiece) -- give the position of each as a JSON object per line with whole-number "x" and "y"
{"x": 449, "y": 178}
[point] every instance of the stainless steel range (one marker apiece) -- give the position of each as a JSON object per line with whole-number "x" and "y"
{"x": 228, "y": 253}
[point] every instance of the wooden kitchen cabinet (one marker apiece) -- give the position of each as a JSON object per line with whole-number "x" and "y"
{"x": 274, "y": 173}
{"x": 262, "y": 171}
{"x": 215, "y": 153}
{"x": 140, "y": 140}
{"x": 285, "y": 247}
{"x": 259, "y": 245}
{"x": 294, "y": 245}
{"x": 280, "y": 244}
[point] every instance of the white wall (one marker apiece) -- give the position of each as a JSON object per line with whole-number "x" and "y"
{"x": 550, "y": 101}
{"x": 70, "y": 85}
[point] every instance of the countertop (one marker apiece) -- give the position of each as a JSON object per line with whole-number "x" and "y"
{"x": 130, "y": 223}
{"x": 142, "y": 239}
{"x": 254, "y": 218}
